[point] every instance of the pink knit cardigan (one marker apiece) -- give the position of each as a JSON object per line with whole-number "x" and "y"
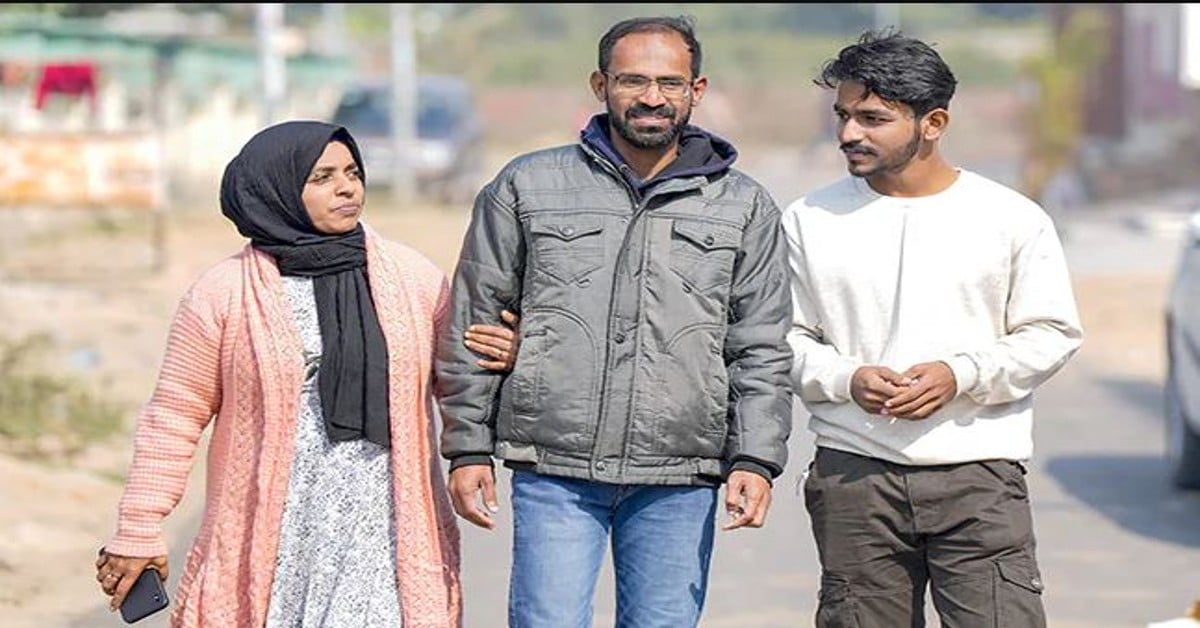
{"x": 234, "y": 355}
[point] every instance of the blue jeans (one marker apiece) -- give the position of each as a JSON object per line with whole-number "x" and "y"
{"x": 662, "y": 538}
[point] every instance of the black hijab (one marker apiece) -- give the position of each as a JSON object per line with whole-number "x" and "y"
{"x": 261, "y": 194}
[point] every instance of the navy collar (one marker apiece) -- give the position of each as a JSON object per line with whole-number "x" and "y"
{"x": 701, "y": 153}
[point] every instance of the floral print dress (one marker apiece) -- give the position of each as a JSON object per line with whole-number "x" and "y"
{"x": 336, "y": 566}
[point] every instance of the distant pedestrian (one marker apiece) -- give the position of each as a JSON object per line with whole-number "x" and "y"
{"x": 1062, "y": 196}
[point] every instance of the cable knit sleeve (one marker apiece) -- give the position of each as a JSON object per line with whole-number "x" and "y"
{"x": 185, "y": 398}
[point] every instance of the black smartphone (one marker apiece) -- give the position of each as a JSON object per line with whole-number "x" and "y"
{"x": 145, "y": 598}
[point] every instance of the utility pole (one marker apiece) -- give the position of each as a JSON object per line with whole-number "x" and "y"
{"x": 271, "y": 64}
{"x": 887, "y": 14}
{"x": 404, "y": 103}
{"x": 333, "y": 28}
{"x": 165, "y": 55}
{"x": 1189, "y": 43}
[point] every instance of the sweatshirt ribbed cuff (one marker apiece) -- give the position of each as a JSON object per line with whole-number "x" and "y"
{"x": 966, "y": 373}
{"x": 842, "y": 379}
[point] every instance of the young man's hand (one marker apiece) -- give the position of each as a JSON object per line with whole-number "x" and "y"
{"x": 872, "y": 386}
{"x": 933, "y": 385}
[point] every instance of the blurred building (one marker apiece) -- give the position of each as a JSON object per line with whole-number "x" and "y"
{"x": 172, "y": 76}
{"x": 1140, "y": 122}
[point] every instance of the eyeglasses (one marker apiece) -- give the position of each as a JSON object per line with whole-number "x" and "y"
{"x": 637, "y": 84}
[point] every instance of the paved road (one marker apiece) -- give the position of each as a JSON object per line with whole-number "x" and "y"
{"x": 1118, "y": 547}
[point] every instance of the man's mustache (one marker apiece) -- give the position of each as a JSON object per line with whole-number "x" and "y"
{"x": 642, "y": 111}
{"x": 856, "y": 149}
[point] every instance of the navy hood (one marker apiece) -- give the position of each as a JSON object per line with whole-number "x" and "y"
{"x": 701, "y": 153}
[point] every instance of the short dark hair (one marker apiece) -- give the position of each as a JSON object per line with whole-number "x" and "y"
{"x": 895, "y": 68}
{"x": 681, "y": 25}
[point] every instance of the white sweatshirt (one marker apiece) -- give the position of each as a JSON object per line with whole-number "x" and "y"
{"x": 973, "y": 276}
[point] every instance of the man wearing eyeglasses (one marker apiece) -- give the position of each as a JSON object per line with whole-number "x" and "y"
{"x": 651, "y": 282}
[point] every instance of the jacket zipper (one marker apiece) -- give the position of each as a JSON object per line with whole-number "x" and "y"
{"x": 638, "y": 209}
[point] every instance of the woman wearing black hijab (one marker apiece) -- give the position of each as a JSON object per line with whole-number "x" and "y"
{"x": 309, "y": 352}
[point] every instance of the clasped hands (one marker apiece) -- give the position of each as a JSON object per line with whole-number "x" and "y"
{"x": 913, "y": 395}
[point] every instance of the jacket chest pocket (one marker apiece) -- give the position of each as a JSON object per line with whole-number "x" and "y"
{"x": 567, "y": 247}
{"x": 702, "y": 253}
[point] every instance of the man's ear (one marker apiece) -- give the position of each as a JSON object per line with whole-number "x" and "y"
{"x": 699, "y": 88}
{"x": 934, "y": 125}
{"x": 596, "y": 81}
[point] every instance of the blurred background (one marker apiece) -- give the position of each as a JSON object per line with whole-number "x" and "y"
{"x": 116, "y": 121}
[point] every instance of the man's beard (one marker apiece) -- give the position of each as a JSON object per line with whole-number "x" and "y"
{"x": 649, "y": 139}
{"x": 896, "y": 162}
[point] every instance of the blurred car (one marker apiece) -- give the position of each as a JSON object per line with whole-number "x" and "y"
{"x": 1182, "y": 390}
{"x": 448, "y": 158}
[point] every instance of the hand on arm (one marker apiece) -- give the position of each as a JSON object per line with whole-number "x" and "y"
{"x": 487, "y": 278}
{"x": 747, "y": 500}
{"x": 116, "y": 574}
{"x": 932, "y": 386}
{"x": 872, "y": 386}
{"x": 499, "y": 345}
{"x": 468, "y": 484}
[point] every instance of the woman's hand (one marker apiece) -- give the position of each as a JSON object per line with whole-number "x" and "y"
{"x": 116, "y": 574}
{"x": 498, "y": 344}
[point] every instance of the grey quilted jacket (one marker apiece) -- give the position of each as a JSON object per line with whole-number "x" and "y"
{"x": 653, "y": 319}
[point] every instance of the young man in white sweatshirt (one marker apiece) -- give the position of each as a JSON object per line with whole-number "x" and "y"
{"x": 930, "y": 302}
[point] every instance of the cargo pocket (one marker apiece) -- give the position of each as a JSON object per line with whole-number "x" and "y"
{"x": 1018, "y": 594}
{"x": 567, "y": 247}
{"x": 837, "y": 606}
{"x": 702, "y": 253}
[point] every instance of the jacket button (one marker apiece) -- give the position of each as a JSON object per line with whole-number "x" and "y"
{"x": 709, "y": 240}
{"x": 600, "y": 466}
{"x": 568, "y": 231}
{"x": 619, "y": 338}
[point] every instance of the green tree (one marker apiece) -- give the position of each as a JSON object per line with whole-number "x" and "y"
{"x": 1058, "y": 77}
